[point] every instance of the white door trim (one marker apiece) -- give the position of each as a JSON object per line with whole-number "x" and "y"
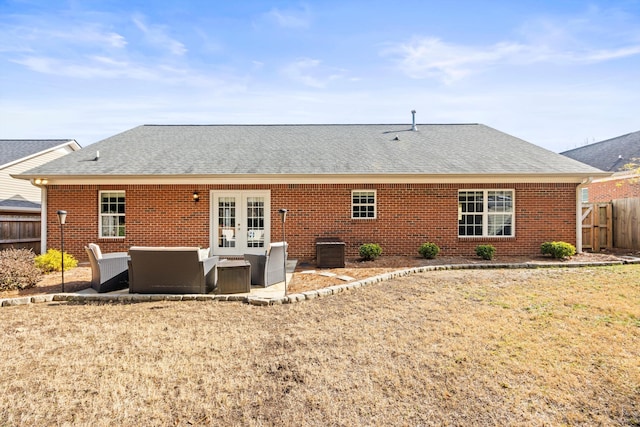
{"x": 240, "y": 246}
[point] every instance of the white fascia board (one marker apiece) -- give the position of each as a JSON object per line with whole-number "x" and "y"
{"x": 624, "y": 175}
{"x": 19, "y": 209}
{"x": 309, "y": 179}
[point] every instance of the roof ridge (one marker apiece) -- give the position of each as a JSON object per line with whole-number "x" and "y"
{"x": 312, "y": 124}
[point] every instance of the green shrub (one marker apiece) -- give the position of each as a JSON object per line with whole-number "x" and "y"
{"x": 429, "y": 250}
{"x": 546, "y": 248}
{"x": 559, "y": 250}
{"x": 370, "y": 251}
{"x": 51, "y": 261}
{"x": 17, "y": 270}
{"x": 485, "y": 251}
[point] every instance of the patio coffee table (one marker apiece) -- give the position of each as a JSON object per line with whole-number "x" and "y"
{"x": 234, "y": 277}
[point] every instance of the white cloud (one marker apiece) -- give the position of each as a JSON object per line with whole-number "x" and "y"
{"x": 605, "y": 55}
{"x": 432, "y": 58}
{"x": 300, "y": 70}
{"x": 90, "y": 68}
{"x": 310, "y": 72}
{"x": 157, "y": 35}
{"x": 35, "y": 37}
{"x": 104, "y": 67}
{"x": 289, "y": 18}
{"x": 592, "y": 37}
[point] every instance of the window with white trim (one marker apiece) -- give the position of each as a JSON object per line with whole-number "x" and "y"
{"x": 363, "y": 204}
{"x": 112, "y": 219}
{"x": 485, "y": 213}
{"x": 584, "y": 195}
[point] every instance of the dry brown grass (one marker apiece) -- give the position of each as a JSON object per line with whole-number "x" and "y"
{"x": 471, "y": 347}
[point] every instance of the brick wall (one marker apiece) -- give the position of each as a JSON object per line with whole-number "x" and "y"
{"x": 407, "y": 216}
{"x": 606, "y": 191}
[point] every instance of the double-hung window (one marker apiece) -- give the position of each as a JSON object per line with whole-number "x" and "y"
{"x": 363, "y": 204}
{"x": 112, "y": 211}
{"x": 485, "y": 213}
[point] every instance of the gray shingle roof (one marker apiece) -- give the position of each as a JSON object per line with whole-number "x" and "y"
{"x": 166, "y": 150}
{"x": 16, "y": 149}
{"x": 18, "y": 202}
{"x": 609, "y": 155}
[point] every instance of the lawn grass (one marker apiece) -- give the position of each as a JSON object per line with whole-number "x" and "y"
{"x": 470, "y": 347}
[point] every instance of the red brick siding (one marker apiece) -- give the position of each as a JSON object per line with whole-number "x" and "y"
{"x": 407, "y": 216}
{"x": 606, "y": 191}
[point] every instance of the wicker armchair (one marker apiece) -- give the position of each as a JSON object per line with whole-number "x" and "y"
{"x": 109, "y": 272}
{"x": 269, "y": 268}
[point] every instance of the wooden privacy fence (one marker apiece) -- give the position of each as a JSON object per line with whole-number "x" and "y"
{"x": 626, "y": 223}
{"x": 597, "y": 224}
{"x": 20, "y": 231}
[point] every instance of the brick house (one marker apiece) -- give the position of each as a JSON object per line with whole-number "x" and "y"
{"x": 611, "y": 155}
{"x": 221, "y": 186}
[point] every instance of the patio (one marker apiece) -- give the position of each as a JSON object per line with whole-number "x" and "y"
{"x": 274, "y": 291}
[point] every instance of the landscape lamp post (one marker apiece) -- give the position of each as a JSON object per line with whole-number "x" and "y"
{"x": 62, "y": 216}
{"x": 283, "y": 214}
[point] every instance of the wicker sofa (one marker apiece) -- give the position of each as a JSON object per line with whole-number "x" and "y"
{"x": 171, "y": 270}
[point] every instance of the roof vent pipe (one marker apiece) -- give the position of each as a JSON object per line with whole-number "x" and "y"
{"x": 413, "y": 125}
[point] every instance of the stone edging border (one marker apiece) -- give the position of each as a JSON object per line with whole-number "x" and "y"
{"x": 291, "y": 298}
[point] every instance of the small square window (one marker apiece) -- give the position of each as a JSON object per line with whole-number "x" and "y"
{"x": 363, "y": 204}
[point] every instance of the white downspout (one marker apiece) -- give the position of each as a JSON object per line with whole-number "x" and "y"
{"x": 584, "y": 182}
{"x": 43, "y": 220}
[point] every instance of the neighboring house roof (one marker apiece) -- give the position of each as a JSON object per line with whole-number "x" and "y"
{"x": 310, "y": 150}
{"x": 20, "y": 155}
{"x": 13, "y": 150}
{"x": 18, "y": 203}
{"x": 609, "y": 155}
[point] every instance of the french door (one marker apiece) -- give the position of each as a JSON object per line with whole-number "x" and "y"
{"x": 240, "y": 222}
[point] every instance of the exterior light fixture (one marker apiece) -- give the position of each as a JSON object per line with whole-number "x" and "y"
{"x": 196, "y": 196}
{"x": 62, "y": 217}
{"x": 41, "y": 181}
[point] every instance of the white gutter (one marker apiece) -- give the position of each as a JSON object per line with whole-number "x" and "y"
{"x": 579, "y": 188}
{"x": 19, "y": 209}
{"x": 305, "y": 179}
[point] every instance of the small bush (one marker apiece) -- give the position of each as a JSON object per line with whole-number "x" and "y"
{"x": 429, "y": 250}
{"x": 485, "y": 251}
{"x": 559, "y": 250}
{"x": 546, "y": 248}
{"x": 51, "y": 261}
{"x": 370, "y": 251}
{"x": 17, "y": 270}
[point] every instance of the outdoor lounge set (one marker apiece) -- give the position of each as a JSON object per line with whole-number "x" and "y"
{"x": 183, "y": 270}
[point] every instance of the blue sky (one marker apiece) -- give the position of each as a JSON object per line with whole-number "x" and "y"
{"x": 555, "y": 73}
